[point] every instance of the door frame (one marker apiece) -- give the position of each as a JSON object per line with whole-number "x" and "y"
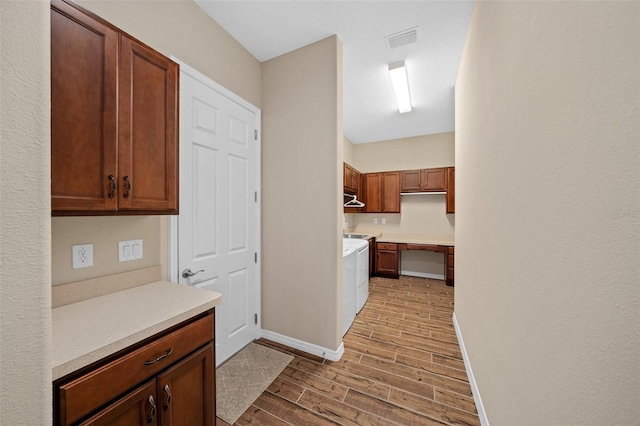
{"x": 173, "y": 266}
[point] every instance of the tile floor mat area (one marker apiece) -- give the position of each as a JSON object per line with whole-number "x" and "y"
{"x": 242, "y": 378}
{"x": 402, "y": 365}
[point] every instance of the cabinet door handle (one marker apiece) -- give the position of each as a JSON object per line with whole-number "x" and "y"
{"x": 153, "y": 410}
{"x": 160, "y": 358}
{"x": 112, "y": 186}
{"x": 167, "y": 399}
{"x": 127, "y": 186}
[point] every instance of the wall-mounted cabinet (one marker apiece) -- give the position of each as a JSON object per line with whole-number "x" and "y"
{"x": 114, "y": 120}
{"x": 451, "y": 189}
{"x": 381, "y": 192}
{"x": 424, "y": 180}
{"x": 351, "y": 179}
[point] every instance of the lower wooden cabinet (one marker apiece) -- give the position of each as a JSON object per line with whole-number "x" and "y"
{"x": 169, "y": 380}
{"x": 449, "y": 266}
{"x": 387, "y": 260}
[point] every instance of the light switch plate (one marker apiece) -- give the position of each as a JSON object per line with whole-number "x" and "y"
{"x": 129, "y": 250}
{"x": 81, "y": 256}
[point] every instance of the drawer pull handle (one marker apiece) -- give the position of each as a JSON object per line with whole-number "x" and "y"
{"x": 167, "y": 399}
{"x": 152, "y": 412}
{"x": 160, "y": 358}
{"x": 127, "y": 186}
{"x": 112, "y": 186}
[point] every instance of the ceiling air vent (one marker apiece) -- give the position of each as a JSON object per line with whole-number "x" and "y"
{"x": 402, "y": 38}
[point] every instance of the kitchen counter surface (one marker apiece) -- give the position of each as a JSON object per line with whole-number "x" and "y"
{"x": 87, "y": 331}
{"x": 441, "y": 240}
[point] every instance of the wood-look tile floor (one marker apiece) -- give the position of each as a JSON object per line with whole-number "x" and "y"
{"x": 401, "y": 366}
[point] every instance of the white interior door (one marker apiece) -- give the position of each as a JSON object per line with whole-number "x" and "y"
{"x": 218, "y": 225}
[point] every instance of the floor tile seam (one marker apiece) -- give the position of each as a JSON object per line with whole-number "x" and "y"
{"x": 457, "y": 370}
{"x": 420, "y": 349}
{"x": 269, "y": 413}
{"x": 274, "y": 414}
{"x": 458, "y": 408}
{"x": 430, "y": 416}
{"x": 397, "y": 406}
{"x": 438, "y": 376}
{"x": 315, "y": 376}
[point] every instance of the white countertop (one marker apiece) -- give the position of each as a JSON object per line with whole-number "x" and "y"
{"x": 87, "y": 331}
{"x": 441, "y": 240}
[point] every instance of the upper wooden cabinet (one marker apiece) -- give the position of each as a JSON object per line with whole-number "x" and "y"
{"x": 451, "y": 189}
{"x": 424, "y": 180}
{"x": 114, "y": 120}
{"x": 381, "y": 192}
{"x": 351, "y": 179}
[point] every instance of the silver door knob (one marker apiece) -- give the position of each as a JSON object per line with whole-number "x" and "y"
{"x": 187, "y": 273}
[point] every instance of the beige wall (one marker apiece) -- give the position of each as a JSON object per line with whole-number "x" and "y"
{"x": 178, "y": 28}
{"x": 347, "y": 152}
{"x": 548, "y": 211}
{"x": 25, "y": 263}
{"x": 301, "y": 192}
{"x": 419, "y": 214}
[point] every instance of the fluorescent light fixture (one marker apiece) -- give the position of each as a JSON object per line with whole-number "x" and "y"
{"x": 398, "y": 74}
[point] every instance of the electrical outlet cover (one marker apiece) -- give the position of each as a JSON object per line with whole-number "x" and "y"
{"x": 81, "y": 256}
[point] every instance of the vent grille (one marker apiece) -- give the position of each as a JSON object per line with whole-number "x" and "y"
{"x": 402, "y": 38}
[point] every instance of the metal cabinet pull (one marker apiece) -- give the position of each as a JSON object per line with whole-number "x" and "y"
{"x": 160, "y": 358}
{"x": 187, "y": 273}
{"x": 112, "y": 187}
{"x": 167, "y": 399}
{"x": 153, "y": 410}
{"x": 127, "y": 186}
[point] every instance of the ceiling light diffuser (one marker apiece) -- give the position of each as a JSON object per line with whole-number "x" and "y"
{"x": 398, "y": 74}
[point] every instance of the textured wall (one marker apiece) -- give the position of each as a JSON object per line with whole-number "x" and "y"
{"x": 301, "y": 191}
{"x": 25, "y": 263}
{"x": 548, "y": 211}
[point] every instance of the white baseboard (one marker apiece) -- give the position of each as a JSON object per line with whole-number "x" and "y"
{"x": 301, "y": 345}
{"x": 422, "y": 275}
{"x": 482, "y": 414}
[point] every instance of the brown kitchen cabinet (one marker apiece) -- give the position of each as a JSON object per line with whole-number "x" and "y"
{"x": 424, "y": 180}
{"x": 166, "y": 380}
{"x": 372, "y": 256}
{"x": 449, "y": 265}
{"x": 114, "y": 119}
{"x": 387, "y": 260}
{"x": 451, "y": 190}
{"x": 381, "y": 192}
{"x": 351, "y": 179}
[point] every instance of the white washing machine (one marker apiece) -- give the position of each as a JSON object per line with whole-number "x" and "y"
{"x": 362, "y": 267}
{"x": 349, "y": 286}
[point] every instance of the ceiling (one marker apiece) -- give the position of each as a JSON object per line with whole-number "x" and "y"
{"x": 271, "y": 28}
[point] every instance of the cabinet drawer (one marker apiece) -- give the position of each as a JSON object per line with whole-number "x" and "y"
{"x": 425, "y": 247}
{"x": 80, "y": 396}
{"x": 387, "y": 246}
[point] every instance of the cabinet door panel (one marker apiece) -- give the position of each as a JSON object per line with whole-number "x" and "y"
{"x": 372, "y": 192}
{"x": 434, "y": 179}
{"x": 137, "y": 408}
{"x": 411, "y": 181}
{"x": 148, "y": 140}
{"x": 391, "y": 194}
{"x": 386, "y": 262}
{"x": 83, "y": 111}
{"x": 186, "y": 391}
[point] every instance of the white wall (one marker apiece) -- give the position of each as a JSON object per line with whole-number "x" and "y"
{"x": 25, "y": 262}
{"x": 302, "y": 192}
{"x": 548, "y": 211}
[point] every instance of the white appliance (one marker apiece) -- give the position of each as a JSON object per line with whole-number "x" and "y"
{"x": 349, "y": 286}
{"x": 362, "y": 267}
